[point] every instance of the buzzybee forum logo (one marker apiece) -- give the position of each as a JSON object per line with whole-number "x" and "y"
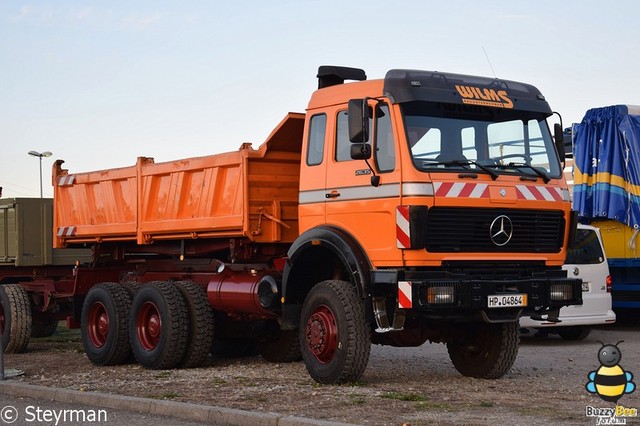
{"x": 610, "y": 382}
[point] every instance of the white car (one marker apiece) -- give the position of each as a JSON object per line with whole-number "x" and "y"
{"x": 586, "y": 260}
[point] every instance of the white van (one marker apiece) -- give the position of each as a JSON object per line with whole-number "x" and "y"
{"x": 586, "y": 260}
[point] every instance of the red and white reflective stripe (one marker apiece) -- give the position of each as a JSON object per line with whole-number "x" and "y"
{"x": 461, "y": 189}
{"x": 404, "y": 295}
{"x": 403, "y": 230}
{"x": 539, "y": 192}
{"x": 67, "y": 180}
{"x": 67, "y": 231}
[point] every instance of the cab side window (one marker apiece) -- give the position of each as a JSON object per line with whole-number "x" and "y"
{"x": 343, "y": 144}
{"x": 385, "y": 154}
{"x": 315, "y": 147}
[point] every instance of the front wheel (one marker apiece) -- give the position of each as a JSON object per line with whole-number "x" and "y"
{"x": 334, "y": 337}
{"x": 485, "y": 351}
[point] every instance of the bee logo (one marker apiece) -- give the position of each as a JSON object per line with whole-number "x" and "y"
{"x": 610, "y": 381}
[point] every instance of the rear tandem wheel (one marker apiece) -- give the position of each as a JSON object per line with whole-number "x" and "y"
{"x": 159, "y": 325}
{"x": 104, "y": 324}
{"x": 44, "y": 328}
{"x": 201, "y": 324}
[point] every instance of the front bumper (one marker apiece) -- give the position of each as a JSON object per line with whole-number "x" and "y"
{"x": 473, "y": 294}
{"x": 444, "y": 297}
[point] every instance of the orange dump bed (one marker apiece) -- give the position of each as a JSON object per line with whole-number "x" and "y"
{"x": 248, "y": 193}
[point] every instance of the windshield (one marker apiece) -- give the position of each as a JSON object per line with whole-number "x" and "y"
{"x": 453, "y": 138}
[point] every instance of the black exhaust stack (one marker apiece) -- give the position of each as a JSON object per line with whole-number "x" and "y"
{"x": 329, "y": 75}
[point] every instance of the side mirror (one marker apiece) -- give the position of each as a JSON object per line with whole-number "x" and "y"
{"x": 360, "y": 151}
{"x": 558, "y": 138}
{"x": 358, "y": 121}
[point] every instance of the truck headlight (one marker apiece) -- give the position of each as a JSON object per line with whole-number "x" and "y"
{"x": 441, "y": 295}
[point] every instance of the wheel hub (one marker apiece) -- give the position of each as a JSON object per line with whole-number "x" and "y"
{"x": 153, "y": 326}
{"x": 98, "y": 325}
{"x": 149, "y": 326}
{"x": 103, "y": 324}
{"x": 322, "y": 334}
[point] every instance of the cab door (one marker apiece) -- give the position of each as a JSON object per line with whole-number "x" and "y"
{"x": 313, "y": 170}
{"x": 353, "y": 204}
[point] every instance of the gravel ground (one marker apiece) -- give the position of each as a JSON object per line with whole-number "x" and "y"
{"x": 412, "y": 386}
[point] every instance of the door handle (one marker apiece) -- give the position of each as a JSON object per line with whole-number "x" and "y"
{"x": 332, "y": 194}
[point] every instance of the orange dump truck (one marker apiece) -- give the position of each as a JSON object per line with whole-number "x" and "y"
{"x": 422, "y": 206}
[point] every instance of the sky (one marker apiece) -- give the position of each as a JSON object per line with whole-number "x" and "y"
{"x": 99, "y": 83}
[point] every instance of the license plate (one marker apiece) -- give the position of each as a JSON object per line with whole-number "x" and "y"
{"x": 585, "y": 285}
{"x": 507, "y": 300}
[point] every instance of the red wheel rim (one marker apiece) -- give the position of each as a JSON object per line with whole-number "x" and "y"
{"x": 149, "y": 326}
{"x": 98, "y": 324}
{"x": 322, "y": 334}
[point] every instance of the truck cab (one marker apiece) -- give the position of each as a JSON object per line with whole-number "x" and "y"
{"x": 439, "y": 196}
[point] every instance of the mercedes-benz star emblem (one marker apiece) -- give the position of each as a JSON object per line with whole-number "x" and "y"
{"x": 501, "y": 230}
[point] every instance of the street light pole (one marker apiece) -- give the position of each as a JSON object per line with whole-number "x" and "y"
{"x": 40, "y": 155}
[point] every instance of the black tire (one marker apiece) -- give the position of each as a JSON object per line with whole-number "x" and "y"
{"x": 574, "y": 333}
{"x": 484, "y": 350}
{"x": 335, "y": 339}
{"x": 132, "y": 288}
{"x": 45, "y": 328}
{"x": 285, "y": 347}
{"x": 201, "y": 324}
{"x": 105, "y": 324}
{"x": 15, "y": 318}
{"x": 159, "y": 326}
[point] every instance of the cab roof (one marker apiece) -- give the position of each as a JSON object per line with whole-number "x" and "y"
{"x": 433, "y": 86}
{"x": 403, "y": 85}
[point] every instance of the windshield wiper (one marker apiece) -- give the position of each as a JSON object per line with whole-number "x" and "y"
{"x": 535, "y": 170}
{"x": 463, "y": 163}
{"x": 484, "y": 168}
